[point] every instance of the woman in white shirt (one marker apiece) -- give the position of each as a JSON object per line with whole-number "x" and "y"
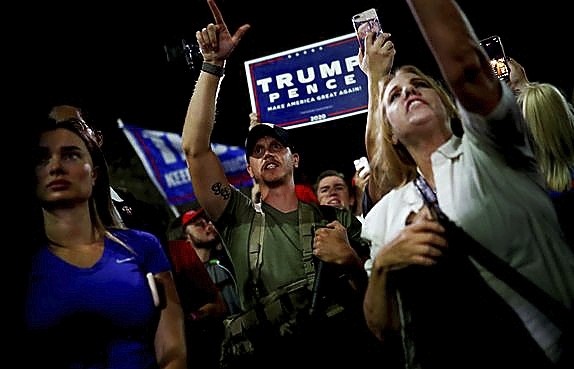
{"x": 485, "y": 181}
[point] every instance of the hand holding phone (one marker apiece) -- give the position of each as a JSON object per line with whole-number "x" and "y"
{"x": 365, "y": 22}
{"x": 495, "y": 51}
{"x": 362, "y": 166}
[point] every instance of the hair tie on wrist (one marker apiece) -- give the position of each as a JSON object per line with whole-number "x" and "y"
{"x": 216, "y": 70}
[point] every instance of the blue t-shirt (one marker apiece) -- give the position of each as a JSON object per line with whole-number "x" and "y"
{"x": 98, "y": 317}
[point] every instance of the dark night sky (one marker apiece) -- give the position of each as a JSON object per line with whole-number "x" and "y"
{"x": 110, "y": 60}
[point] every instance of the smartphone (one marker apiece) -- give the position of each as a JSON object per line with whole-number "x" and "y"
{"x": 495, "y": 51}
{"x": 362, "y": 166}
{"x": 364, "y": 22}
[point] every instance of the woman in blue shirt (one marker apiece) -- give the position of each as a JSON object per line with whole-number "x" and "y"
{"x": 99, "y": 295}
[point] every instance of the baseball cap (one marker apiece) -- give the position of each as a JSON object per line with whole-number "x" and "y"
{"x": 266, "y": 129}
{"x": 190, "y": 215}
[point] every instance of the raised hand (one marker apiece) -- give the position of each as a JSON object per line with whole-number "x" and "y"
{"x": 518, "y": 77}
{"x": 215, "y": 41}
{"x": 377, "y": 60}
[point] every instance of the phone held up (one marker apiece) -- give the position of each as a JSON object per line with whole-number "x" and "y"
{"x": 364, "y": 22}
{"x": 362, "y": 166}
{"x": 495, "y": 51}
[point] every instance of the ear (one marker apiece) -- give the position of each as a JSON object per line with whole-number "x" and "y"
{"x": 394, "y": 139}
{"x": 249, "y": 170}
{"x": 295, "y": 160}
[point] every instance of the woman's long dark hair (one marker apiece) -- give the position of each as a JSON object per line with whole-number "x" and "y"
{"x": 100, "y": 203}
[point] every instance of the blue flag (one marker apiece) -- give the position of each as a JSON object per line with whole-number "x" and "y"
{"x": 164, "y": 162}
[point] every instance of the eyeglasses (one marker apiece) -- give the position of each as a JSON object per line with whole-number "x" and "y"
{"x": 259, "y": 150}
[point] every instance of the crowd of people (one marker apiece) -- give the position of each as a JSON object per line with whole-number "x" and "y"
{"x": 449, "y": 249}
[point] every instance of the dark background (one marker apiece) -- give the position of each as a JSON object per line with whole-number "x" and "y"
{"x": 121, "y": 61}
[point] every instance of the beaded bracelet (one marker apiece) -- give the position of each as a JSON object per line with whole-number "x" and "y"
{"x": 216, "y": 70}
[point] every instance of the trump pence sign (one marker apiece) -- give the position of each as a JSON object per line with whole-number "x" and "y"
{"x": 308, "y": 85}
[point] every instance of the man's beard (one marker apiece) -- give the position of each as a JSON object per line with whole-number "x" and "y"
{"x": 206, "y": 244}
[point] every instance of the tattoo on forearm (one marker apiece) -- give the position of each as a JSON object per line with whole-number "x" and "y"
{"x": 221, "y": 190}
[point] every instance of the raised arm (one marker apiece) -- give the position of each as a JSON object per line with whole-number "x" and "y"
{"x": 207, "y": 175}
{"x": 461, "y": 59}
{"x": 376, "y": 63}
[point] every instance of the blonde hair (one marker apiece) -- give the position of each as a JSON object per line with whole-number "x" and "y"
{"x": 392, "y": 165}
{"x": 379, "y": 183}
{"x": 550, "y": 121}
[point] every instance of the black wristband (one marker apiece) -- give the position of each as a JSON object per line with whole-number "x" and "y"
{"x": 216, "y": 70}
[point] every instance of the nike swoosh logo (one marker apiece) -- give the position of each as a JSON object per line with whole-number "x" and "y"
{"x": 121, "y": 261}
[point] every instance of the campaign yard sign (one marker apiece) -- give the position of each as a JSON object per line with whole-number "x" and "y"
{"x": 308, "y": 85}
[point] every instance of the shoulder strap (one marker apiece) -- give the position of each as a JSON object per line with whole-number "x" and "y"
{"x": 551, "y": 307}
{"x": 255, "y": 247}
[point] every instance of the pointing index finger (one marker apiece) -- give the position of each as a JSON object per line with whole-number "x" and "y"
{"x": 216, "y": 13}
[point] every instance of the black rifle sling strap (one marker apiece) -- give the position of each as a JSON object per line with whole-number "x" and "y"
{"x": 306, "y": 218}
{"x": 548, "y": 305}
{"x": 256, "y": 246}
